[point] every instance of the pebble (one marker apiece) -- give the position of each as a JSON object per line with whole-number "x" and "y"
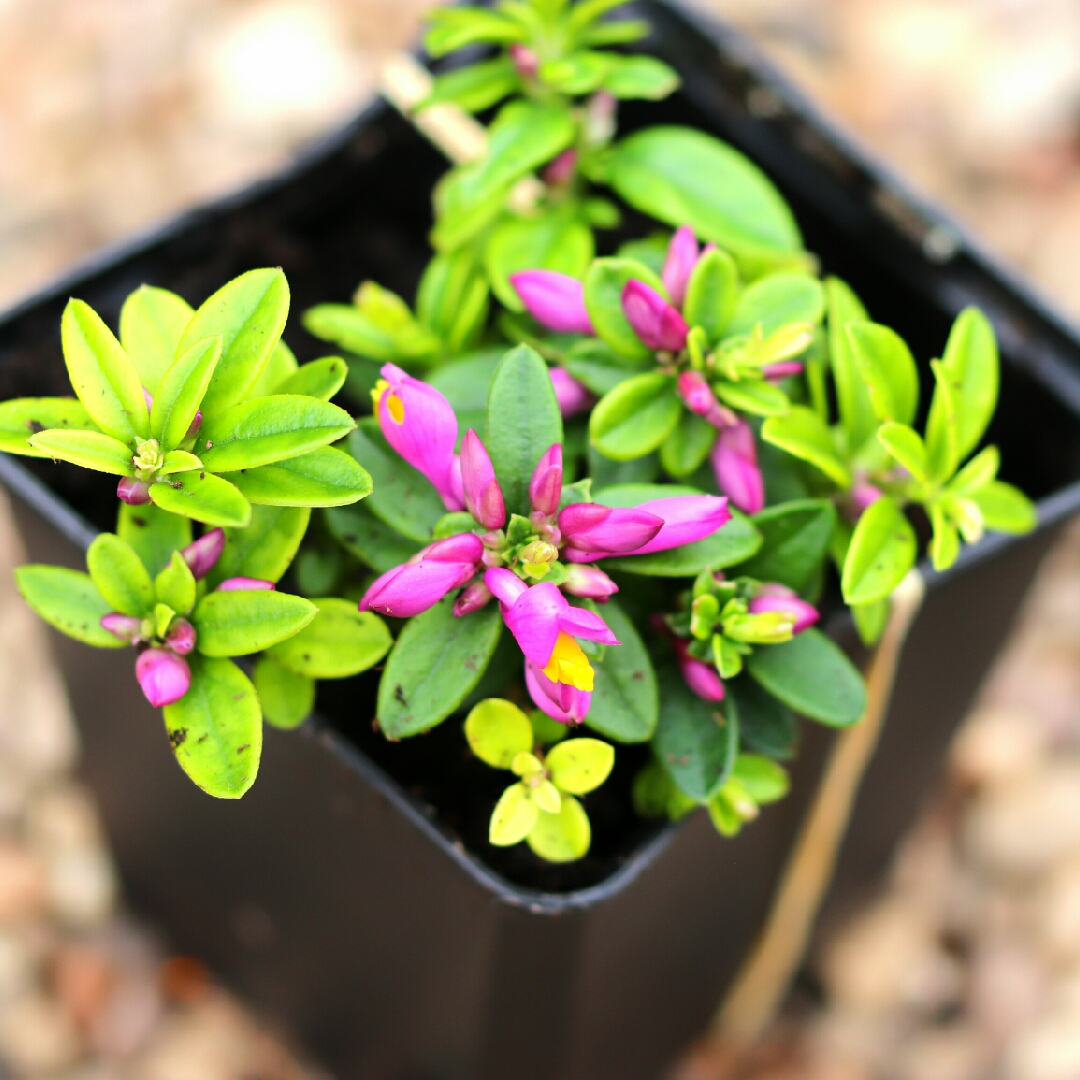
{"x": 37, "y": 1036}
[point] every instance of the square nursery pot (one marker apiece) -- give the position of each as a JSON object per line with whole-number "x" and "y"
{"x": 348, "y": 896}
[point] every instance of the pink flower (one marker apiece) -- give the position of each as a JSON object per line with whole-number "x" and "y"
{"x": 563, "y": 702}
{"x": 133, "y": 492}
{"x": 554, "y": 300}
{"x": 682, "y": 254}
{"x": 560, "y": 171}
{"x": 525, "y": 60}
{"x": 124, "y": 627}
{"x": 654, "y": 320}
{"x": 201, "y": 555}
{"x": 483, "y": 496}
{"x": 590, "y": 529}
{"x": 863, "y": 494}
{"x": 782, "y": 370}
{"x": 426, "y": 578}
{"x": 419, "y": 423}
{"x": 573, "y": 398}
{"x": 589, "y": 581}
{"x": 773, "y": 597}
{"x": 698, "y": 397}
{"x": 734, "y": 462}
{"x": 163, "y": 676}
{"x": 545, "y": 487}
{"x": 702, "y": 678}
{"x": 245, "y": 584}
{"x": 687, "y": 518}
{"x": 180, "y": 637}
{"x": 537, "y": 614}
{"x": 473, "y": 597}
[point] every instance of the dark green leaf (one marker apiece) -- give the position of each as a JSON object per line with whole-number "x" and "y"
{"x": 340, "y": 641}
{"x": 369, "y": 539}
{"x": 119, "y": 575}
{"x": 795, "y": 540}
{"x": 452, "y": 300}
{"x": 766, "y": 725}
{"x": 883, "y": 549}
{"x": 152, "y": 322}
{"x": 464, "y": 383}
{"x": 624, "y": 705}
{"x": 238, "y": 623}
{"x": 598, "y": 367}
{"x": 687, "y": 447}
{"x": 69, "y": 601}
{"x": 22, "y": 417}
{"x": 323, "y": 477}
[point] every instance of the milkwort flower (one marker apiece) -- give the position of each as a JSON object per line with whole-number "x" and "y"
{"x": 527, "y": 563}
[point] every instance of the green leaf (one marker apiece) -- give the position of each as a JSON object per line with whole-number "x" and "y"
{"x": 249, "y": 315}
{"x": 977, "y": 473}
{"x": 636, "y": 417}
{"x": 464, "y": 383}
{"x": 452, "y": 300}
{"x": 101, "y": 374}
{"x": 69, "y": 601}
{"x": 497, "y": 731}
{"x": 460, "y": 213}
{"x": 945, "y": 542}
{"x": 887, "y": 368}
{"x": 852, "y": 397}
{"x": 402, "y": 497}
{"x": 281, "y": 366}
{"x": 686, "y": 448}
{"x": 523, "y": 422}
{"x": 152, "y": 322}
{"x": 811, "y": 675}
{"x": 970, "y": 364}
{"x": 22, "y": 417}
{"x": 561, "y": 837}
{"x": 513, "y": 817}
{"x": 941, "y": 427}
{"x": 177, "y": 461}
{"x": 576, "y": 73}
{"x": 639, "y": 77}
{"x": 454, "y": 28}
{"x": 711, "y": 294}
{"x": 764, "y": 780}
{"x": 624, "y": 704}
{"x": 398, "y": 337}
{"x": 240, "y": 623}
{"x": 202, "y": 497}
{"x": 437, "y": 660}
{"x": 269, "y": 429}
{"x": 598, "y": 367}
{"x": 883, "y": 549}
{"x": 181, "y": 392}
{"x": 696, "y": 740}
{"x": 604, "y": 285}
{"x": 320, "y": 379}
{"x": 215, "y": 729}
{"x": 685, "y": 177}
{"x": 871, "y": 619}
{"x": 476, "y": 87}
{"x": 119, "y": 575}
{"x": 153, "y": 534}
{"x": 553, "y": 241}
{"x": 287, "y": 700}
{"x": 802, "y": 433}
{"x": 776, "y": 301}
{"x": 906, "y": 445}
{"x": 766, "y": 725}
{"x": 265, "y": 548}
{"x": 90, "y": 449}
{"x": 1005, "y": 509}
{"x": 323, "y": 477}
{"x": 578, "y": 766}
{"x": 795, "y": 540}
{"x": 757, "y": 397}
{"x": 175, "y": 585}
{"x": 340, "y": 641}
{"x": 369, "y": 539}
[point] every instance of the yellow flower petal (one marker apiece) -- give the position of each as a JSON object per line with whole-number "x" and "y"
{"x": 569, "y": 665}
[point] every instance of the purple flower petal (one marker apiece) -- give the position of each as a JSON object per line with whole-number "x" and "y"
{"x": 125, "y": 627}
{"x": 782, "y": 370}
{"x": 535, "y": 621}
{"x": 473, "y": 597}
{"x": 590, "y": 527}
{"x": 483, "y": 496}
{"x": 133, "y": 492}
{"x": 682, "y": 254}
{"x": 545, "y": 487}
{"x": 554, "y": 300}
{"x": 734, "y": 462}
{"x": 561, "y": 702}
{"x": 686, "y": 518}
{"x": 201, "y": 555}
{"x": 572, "y": 396}
{"x": 163, "y": 676}
{"x": 505, "y": 585}
{"x": 181, "y": 637}
{"x": 589, "y": 581}
{"x": 245, "y": 584}
{"x": 654, "y": 320}
{"x": 805, "y": 614}
{"x": 702, "y": 678}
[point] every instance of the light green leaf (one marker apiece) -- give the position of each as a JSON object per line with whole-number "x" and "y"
{"x": 249, "y": 315}
{"x": 802, "y": 433}
{"x": 22, "y": 417}
{"x": 970, "y": 364}
{"x": 906, "y": 445}
{"x": 323, "y": 477}
{"x": 945, "y": 542}
{"x": 340, "y": 641}
{"x": 977, "y": 473}
{"x": 871, "y": 619}
{"x": 604, "y": 285}
{"x": 883, "y": 549}
{"x": 888, "y": 370}
{"x": 476, "y": 87}
{"x": 711, "y": 294}
{"x": 452, "y": 300}
{"x": 1005, "y": 509}
{"x": 153, "y": 534}
{"x": 757, "y": 397}
{"x": 152, "y": 322}
{"x": 576, "y": 73}
{"x": 90, "y": 449}
{"x": 215, "y": 729}
{"x": 852, "y": 397}
{"x": 454, "y": 28}
{"x": 265, "y": 547}
{"x": 202, "y": 497}
{"x": 513, "y": 817}
{"x": 686, "y": 448}
{"x": 641, "y": 77}
{"x": 578, "y": 766}
{"x": 776, "y": 301}
{"x": 764, "y": 780}
{"x": 241, "y": 622}
{"x": 561, "y": 837}
{"x": 281, "y": 366}
{"x": 119, "y": 575}
{"x": 320, "y": 379}
{"x": 69, "y": 601}
{"x": 636, "y": 417}
{"x": 181, "y": 392}
{"x": 599, "y": 368}
{"x": 941, "y": 427}
{"x": 398, "y": 336}
{"x": 625, "y": 706}
{"x": 497, "y": 731}
{"x": 177, "y": 461}
{"x": 287, "y": 700}
{"x": 175, "y": 585}
{"x": 553, "y": 241}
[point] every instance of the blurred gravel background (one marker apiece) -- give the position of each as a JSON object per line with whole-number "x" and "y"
{"x": 117, "y": 113}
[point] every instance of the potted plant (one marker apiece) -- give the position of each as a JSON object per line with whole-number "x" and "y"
{"x": 609, "y": 416}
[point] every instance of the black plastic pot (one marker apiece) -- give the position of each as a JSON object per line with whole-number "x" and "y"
{"x": 341, "y": 904}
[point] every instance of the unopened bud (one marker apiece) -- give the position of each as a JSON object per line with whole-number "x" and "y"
{"x": 132, "y": 491}
{"x": 473, "y": 597}
{"x": 525, "y": 60}
{"x": 181, "y": 637}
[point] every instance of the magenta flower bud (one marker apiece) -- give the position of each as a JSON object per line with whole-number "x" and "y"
{"x": 783, "y": 370}
{"x": 473, "y": 597}
{"x": 133, "y": 492}
{"x": 181, "y": 637}
{"x": 560, "y": 172}
{"x": 572, "y": 396}
{"x": 560, "y": 701}
{"x": 588, "y": 581}
{"x": 600, "y": 118}
{"x": 554, "y": 300}
{"x": 148, "y": 398}
{"x": 525, "y": 60}
{"x": 201, "y": 555}
{"x": 702, "y": 678}
{"x": 805, "y": 615}
{"x": 862, "y": 495}
{"x": 246, "y": 584}
{"x": 687, "y": 518}
{"x": 483, "y": 496}
{"x": 654, "y": 320}
{"x": 696, "y": 393}
{"x": 163, "y": 676}
{"x": 426, "y": 578}
{"x": 545, "y": 487}
{"x": 505, "y": 586}
{"x": 193, "y": 427}
{"x": 125, "y": 627}
{"x": 682, "y": 254}
{"x": 734, "y": 462}
{"x": 589, "y": 528}
{"x": 419, "y": 423}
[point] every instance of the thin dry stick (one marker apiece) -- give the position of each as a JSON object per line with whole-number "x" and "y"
{"x": 763, "y": 983}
